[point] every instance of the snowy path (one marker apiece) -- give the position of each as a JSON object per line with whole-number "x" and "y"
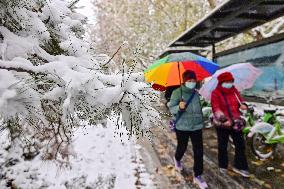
{"x": 102, "y": 160}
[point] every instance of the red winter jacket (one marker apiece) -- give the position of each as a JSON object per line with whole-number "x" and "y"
{"x": 219, "y": 104}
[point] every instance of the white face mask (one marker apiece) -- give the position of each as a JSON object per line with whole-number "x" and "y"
{"x": 227, "y": 85}
{"x": 190, "y": 84}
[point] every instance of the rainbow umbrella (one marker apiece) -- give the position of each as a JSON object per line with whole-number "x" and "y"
{"x": 168, "y": 70}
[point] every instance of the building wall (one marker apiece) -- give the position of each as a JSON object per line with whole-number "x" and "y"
{"x": 270, "y": 59}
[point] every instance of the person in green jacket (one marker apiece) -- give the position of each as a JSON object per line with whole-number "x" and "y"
{"x": 189, "y": 125}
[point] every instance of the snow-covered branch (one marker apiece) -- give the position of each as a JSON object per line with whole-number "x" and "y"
{"x": 272, "y": 28}
{"x": 51, "y": 81}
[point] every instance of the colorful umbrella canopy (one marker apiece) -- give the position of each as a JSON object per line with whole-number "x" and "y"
{"x": 168, "y": 70}
{"x": 244, "y": 75}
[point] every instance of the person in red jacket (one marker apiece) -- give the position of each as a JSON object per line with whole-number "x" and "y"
{"x": 226, "y": 103}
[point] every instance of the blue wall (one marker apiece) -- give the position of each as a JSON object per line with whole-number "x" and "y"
{"x": 270, "y": 59}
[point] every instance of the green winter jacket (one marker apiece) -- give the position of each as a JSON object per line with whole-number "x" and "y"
{"x": 192, "y": 118}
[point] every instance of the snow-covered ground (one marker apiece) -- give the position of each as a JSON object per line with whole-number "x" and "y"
{"x": 260, "y": 107}
{"x": 103, "y": 160}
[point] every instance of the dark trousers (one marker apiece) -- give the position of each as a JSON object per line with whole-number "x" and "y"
{"x": 240, "y": 161}
{"x": 197, "y": 147}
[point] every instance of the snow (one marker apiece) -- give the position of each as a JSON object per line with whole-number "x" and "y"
{"x": 52, "y": 81}
{"x": 86, "y": 8}
{"x": 275, "y": 28}
{"x": 99, "y": 153}
{"x": 260, "y": 107}
{"x": 55, "y": 9}
{"x": 77, "y": 77}
{"x": 14, "y": 94}
{"x": 32, "y": 23}
{"x": 75, "y": 46}
{"x": 18, "y": 46}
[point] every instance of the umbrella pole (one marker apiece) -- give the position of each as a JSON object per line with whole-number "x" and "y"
{"x": 180, "y": 82}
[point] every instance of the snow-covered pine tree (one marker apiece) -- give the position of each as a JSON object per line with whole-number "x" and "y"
{"x": 52, "y": 82}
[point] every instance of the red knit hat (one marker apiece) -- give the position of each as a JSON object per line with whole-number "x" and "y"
{"x": 226, "y": 76}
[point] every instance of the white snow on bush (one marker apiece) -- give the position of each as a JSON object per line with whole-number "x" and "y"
{"x": 74, "y": 78}
{"x": 52, "y": 81}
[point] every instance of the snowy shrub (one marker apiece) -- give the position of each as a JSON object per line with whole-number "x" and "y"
{"x": 51, "y": 81}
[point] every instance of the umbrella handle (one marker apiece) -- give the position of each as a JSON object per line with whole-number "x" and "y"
{"x": 180, "y": 82}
